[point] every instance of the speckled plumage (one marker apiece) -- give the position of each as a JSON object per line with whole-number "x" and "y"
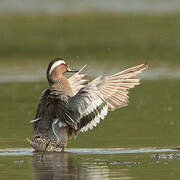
{"x": 70, "y": 105}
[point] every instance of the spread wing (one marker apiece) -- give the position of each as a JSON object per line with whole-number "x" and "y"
{"x": 114, "y": 88}
{"x": 78, "y": 80}
{"x": 92, "y": 103}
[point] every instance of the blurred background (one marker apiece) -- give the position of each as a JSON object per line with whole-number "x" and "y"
{"x": 109, "y": 36}
{"x": 106, "y": 35}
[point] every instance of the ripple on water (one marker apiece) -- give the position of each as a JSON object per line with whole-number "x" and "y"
{"x": 29, "y": 151}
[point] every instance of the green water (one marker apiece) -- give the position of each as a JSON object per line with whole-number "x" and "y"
{"x": 88, "y": 38}
{"x": 75, "y": 166}
{"x": 150, "y": 121}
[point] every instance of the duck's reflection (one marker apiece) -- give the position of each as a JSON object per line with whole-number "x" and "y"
{"x": 64, "y": 166}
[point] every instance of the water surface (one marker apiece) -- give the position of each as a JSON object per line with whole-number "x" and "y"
{"x": 86, "y": 164}
{"x": 122, "y": 146}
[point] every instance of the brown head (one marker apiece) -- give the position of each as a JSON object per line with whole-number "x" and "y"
{"x": 56, "y": 68}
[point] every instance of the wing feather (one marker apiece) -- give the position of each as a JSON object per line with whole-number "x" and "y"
{"x": 78, "y": 81}
{"x": 103, "y": 94}
{"x": 114, "y": 90}
{"x": 115, "y": 87}
{"x": 41, "y": 123}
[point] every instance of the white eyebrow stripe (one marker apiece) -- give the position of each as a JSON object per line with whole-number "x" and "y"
{"x": 55, "y": 65}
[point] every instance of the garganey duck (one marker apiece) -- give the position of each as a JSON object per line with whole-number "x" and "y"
{"x": 72, "y": 105}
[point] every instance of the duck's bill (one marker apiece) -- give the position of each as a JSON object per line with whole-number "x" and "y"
{"x": 72, "y": 70}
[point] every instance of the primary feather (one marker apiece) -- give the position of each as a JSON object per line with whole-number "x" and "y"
{"x": 77, "y": 81}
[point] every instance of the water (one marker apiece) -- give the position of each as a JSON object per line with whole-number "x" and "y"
{"x": 152, "y": 74}
{"x": 123, "y": 146}
{"x": 88, "y": 164}
{"x": 135, "y": 142}
{"x": 30, "y": 152}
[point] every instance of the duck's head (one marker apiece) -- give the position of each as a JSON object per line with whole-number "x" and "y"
{"x": 56, "y": 68}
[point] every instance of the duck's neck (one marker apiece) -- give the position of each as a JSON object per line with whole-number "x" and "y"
{"x": 61, "y": 86}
